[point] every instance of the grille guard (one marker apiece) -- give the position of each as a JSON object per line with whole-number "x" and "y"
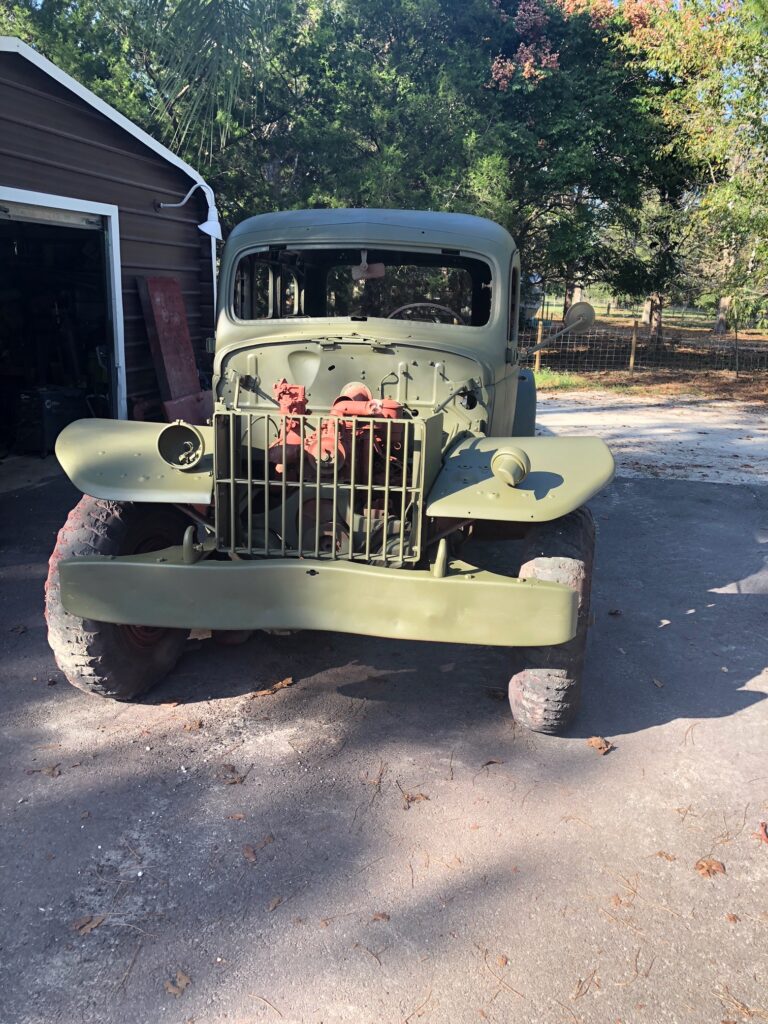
{"x": 366, "y": 504}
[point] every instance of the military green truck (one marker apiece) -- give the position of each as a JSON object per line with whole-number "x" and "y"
{"x": 372, "y": 428}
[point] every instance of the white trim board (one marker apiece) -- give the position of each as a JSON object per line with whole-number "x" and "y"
{"x": 10, "y": 44}
{"x": 114, "y": 282}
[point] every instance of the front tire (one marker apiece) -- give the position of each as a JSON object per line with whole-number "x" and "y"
{"x": 545, "y": 692}
{"x": 104, "y": 658}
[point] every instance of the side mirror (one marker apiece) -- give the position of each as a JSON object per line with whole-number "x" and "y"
{"x": 580, "y": 315}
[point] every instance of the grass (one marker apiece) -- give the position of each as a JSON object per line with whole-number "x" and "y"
{"x": 556, "y": 380}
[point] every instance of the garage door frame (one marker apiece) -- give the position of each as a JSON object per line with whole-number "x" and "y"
{"x": 114, "y": 282}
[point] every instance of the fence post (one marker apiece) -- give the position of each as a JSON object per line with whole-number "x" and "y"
{"x": 736, "y": 345}
{"x": 633, "y": 348}
{"x": 539, "y": 336}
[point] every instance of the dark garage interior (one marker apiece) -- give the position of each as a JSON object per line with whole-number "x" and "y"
{"x": 56, "y": 341}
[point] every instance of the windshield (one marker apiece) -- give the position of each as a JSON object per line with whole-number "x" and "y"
{"x": 444, "y": 287}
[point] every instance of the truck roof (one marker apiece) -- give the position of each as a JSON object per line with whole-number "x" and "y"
{"x": 376, "y": 227}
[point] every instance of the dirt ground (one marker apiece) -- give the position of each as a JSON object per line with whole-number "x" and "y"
{"x": 679, "y": 436}
{"x": 694, "y": 328}
{"x": 378, "y": 842}
{"x": 718, "y": 385}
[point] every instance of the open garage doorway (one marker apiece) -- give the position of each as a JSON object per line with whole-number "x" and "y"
{"x": 60, "y": 333}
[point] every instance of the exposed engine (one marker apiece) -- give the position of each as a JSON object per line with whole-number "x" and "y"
{"x": 358, "y": 451}
{"x": 331, "y": 444}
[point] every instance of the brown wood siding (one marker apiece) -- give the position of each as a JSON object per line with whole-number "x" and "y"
{"x": 52, "y": 141}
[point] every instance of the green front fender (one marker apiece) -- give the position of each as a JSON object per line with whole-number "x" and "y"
{"x": 565, "y": 473}
{"x": 118, "y": 460}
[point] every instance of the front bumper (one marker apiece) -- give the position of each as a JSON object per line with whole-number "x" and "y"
{"x": 467, "y": 606}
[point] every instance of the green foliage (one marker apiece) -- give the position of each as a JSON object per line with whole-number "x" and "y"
{"x": 618, "y": 143}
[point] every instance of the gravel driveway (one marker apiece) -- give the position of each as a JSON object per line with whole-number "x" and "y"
{"x": 378, "y": 842}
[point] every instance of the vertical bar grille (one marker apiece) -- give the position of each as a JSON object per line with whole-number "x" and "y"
{"x": 322, "y": 487}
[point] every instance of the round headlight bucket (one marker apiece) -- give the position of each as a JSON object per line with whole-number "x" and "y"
{"x": 510, "y": 465}
{"x": 181, "y": 445}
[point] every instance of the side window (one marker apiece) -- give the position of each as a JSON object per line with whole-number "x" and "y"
{"x": 253, "y": 289}
{"x": 514, "y": 305}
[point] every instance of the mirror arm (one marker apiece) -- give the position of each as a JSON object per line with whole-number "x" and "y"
{"x": 554, "y": 337}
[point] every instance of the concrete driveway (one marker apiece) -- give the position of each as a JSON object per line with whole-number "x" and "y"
{"x": 378, "y": 842}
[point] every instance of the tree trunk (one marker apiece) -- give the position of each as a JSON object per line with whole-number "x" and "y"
{"x": 568, "y": 300}
{"x": 656, "y": 310}
{"x": 723, "y": 307}
{"x": 646, "y": 317}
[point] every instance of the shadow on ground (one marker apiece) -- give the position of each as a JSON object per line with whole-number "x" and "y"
{"x": 378, "y": 841}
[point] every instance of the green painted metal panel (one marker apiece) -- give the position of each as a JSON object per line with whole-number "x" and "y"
{"x": 468, "y": 605}
{"x": 565, "y": 473}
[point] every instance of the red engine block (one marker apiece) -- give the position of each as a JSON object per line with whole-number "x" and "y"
{"x": 330, "y": 445}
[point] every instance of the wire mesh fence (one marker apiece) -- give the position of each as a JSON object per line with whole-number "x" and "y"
{"x": 601, "y": 349}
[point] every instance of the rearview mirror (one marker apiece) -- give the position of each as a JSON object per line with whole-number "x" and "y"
{"x": 367, "y": 271}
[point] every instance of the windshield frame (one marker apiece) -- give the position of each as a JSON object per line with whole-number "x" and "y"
{"x": 339, "y": 245}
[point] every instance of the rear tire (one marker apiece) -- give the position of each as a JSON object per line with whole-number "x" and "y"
{"x": 545, "y": 692}
{"x": 104, "y": 658}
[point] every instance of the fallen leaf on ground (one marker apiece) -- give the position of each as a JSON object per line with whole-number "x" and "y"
{"x": 502, "y": 960}
{"x": 732, "y": 918}
{"x": 413, "y": 798}
{"x": 492, "y": 760}
{"x": 176, "y": 987}
{"x": 600, "y": 744}
{"x": 762, "y": 832}
{"x": 236, "y": 817}
{"x": 665, "y": 856}
{"x": 658, "y": 683}
{"x": 53, "y": 772}
{"x": 288, "y": 681}
{"x": 84, "y": 815}
{"x": 249, "y": 853}
{"x": 496, "y": 693}
{"x": 170, "y": 704}
{"x": 265, "y": 841}
{"x": 230, "y": 775}
{"x": 85, "y": 925}
{"x": 707, "y": 867}
{"x": 275, "y": 903}
{"x": 380, "y": 916}
{"x": 195, "y": 726}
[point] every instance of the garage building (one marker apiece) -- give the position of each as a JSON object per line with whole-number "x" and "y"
{"x": 81, "y": 222}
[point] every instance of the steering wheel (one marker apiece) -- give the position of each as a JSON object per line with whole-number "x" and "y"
{"x": 395, "y": 314}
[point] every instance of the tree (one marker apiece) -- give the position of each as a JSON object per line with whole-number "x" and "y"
{"x": 714, "y": 57}
{"x": 534, "y": 113}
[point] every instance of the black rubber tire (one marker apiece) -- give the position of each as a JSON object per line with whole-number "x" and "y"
{"x": 103, "y": 658}
{"x": 544, "y": 693}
